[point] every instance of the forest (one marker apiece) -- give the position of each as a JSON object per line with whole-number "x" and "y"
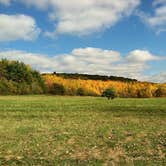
{"x": 17, "y": 78}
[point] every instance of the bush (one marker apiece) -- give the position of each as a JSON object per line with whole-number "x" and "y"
{"x": 110, "y": 93}
{"x": 4, "y": 88}
{"x": 160, "y": 92}
{"x": 24, "y": 88}
{"x": 145, "y": 92}
{"x": 57, "y": 89}
{"x": 80, "y": 92}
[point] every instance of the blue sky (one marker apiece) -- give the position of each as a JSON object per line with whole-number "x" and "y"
{"x": 123, "y": 38}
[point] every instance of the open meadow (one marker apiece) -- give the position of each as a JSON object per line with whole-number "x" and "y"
{"x": 54, "y": 130}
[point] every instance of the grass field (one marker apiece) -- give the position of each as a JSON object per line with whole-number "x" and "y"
{"x": 48, "y": 130}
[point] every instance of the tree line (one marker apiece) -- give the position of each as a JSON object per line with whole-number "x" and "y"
{"x": 91, "y": 77}
{"x": 17, "y": 78}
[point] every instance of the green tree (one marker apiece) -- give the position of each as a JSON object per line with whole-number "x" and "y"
{"x": 110, "y": 93}
{"x": 18, "y": 78}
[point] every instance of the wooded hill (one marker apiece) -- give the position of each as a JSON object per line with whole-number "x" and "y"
{"x": 18, "y": 78}
{"x": 74, "y": 84}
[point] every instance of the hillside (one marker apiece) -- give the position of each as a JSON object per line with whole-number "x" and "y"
{"x": 94, "y": 86}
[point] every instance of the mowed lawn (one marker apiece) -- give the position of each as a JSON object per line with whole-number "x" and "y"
{"x": 52, "y": 130}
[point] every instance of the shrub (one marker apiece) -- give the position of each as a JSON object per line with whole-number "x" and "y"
{"x": 4, "y": 87}
{"x": 145, "y": 92}
{"x": 24, "y": 88}
{"x": 57, "y": 89}
{"x": 160, "y": 92}
{"x": 80, "y": 92}
{"x": 110, "y": 93}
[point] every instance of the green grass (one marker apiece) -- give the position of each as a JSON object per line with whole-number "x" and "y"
{"x": 48, "y": 130}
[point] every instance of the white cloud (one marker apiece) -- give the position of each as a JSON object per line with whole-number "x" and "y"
{"x": 157, "y": 20}
{"x": 84, "y": 17}
{"x": 96, "y": 55}
{"x": 142, "y": 56}
{"x": 87, "y": 60}
{"x": 5, "y": 2}
{"x": 16, "y": 27}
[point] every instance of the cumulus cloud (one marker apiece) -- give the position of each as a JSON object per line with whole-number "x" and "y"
{"x": 157, "y": 20}
{"x": 142, "y": 56}
{"x": 87, "y": 60}
{"x": 16, "y": 27}
{"x": 84, "y": 17}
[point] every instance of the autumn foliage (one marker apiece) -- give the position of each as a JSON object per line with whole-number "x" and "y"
{"x": 96, "y": 87}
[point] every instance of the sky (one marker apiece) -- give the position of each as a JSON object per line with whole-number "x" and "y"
{"x": 106, "y": 37}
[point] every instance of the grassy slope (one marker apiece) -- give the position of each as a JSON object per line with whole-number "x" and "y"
{"x": 47, "y": 130}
